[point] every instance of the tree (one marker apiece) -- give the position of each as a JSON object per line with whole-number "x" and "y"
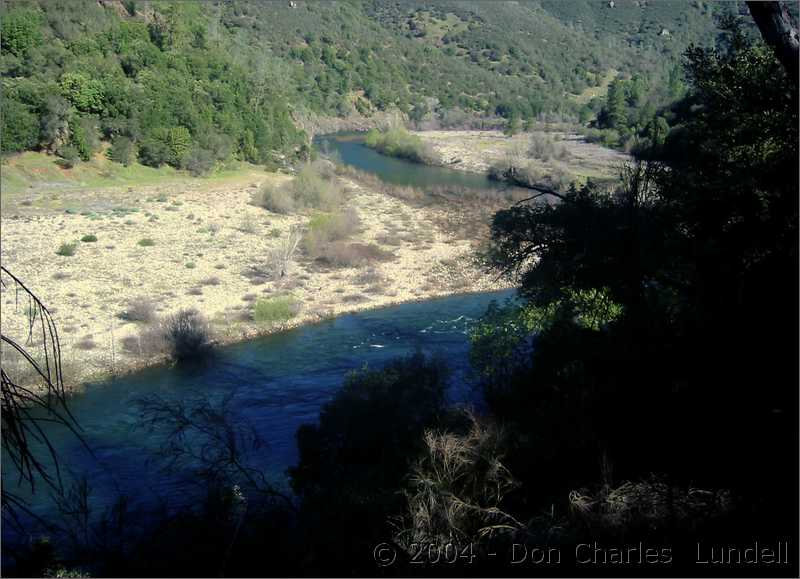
{"x": 20, "y": 31}
{"x": 779, "y": 32}
{"x": 20, "y": 127}
{"x": 697, "y": 248}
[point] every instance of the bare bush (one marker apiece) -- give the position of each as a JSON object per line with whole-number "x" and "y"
{"x": 542, "y": 146}
{"x": 274, "y": 198}
{"x": 187, "y": 335}
{"x": 279, "y": 258}
{"x": 651, "y": 504}
{"x": 327, "y": 227}
{"x": 343, "y": 254}
{"x": 139, "y": 310}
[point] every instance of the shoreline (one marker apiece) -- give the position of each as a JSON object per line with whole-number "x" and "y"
{"x": 475, "y": 151}
{"x": 208, "y": 252}
{"x": 164, "y": 360}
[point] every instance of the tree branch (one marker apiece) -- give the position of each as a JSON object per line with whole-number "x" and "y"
{"x": 775, "y": 24}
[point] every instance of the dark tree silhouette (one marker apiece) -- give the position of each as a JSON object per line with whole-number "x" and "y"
{"x": 775, "y": 24}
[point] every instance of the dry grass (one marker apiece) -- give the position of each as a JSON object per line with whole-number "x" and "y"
{"x": 457, "y": 488}
{"x": 139, "y": 310}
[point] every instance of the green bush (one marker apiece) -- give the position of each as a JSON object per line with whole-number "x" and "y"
{"x": 20, "y": 128}
{"x": 275, "y": 310}
{"x": 84, "y": 137}
{"x": 146, "y": 242}
{"x": 20, "y": 31}
{"x": 397, "y": 142}
{"x": 121, "y": 150}
{"x": 324, "y": 228}
{"x": 345, "y": 454}
{"x": 69, "y": 157}
{"x": 91, "y": 238}
{"x": 67, "y": 249}
{"x": 314, "y": 187}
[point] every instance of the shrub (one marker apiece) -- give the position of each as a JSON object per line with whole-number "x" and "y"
{"x": 69, "y": 157}
{"x": 543, "y": 147}
{"x": 86, "y": 343}
{"x": 458, "y": 470}
{"x": 275, "y": 310}
{"x": 279, "y": 258}
{"x": 20, "y": 126}
{"x": 200, "y": 161}
{"x": 326, "y": 227}
{"x": 146, "y": 242}
{"x": 150, "y": 342}
{"x": 91, "y": 238}
{"x": 343, "y": 254}
{"x": 397, "y": 142}
{"x": 345, "y": 455}
{"x": 67, "y": 249}
{"x": 275, "y": 198}
{"x": 314, "y": 187}
{"x": 121, "y": 150}
{"x": 139, "y": 310}
{"x": 153, "y": 152}
{"x": 186, "y": 334}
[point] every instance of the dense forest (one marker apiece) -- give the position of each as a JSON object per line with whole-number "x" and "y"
{"x": 641, "y": 390}
{"x": 194, "y": 84}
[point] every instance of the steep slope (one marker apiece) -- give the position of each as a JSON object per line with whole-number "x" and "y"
{"x": 192, "y": 84}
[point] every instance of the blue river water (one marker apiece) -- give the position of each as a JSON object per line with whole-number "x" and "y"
{"x": 275, "y": 383}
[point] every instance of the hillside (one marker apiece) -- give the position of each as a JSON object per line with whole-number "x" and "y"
{"x": 193, "y": 85}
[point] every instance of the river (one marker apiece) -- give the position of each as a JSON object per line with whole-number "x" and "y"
{"x": 276, "y": 383}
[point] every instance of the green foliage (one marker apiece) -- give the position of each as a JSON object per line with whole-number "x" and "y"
{"x": 20, "y": 31}
{"x": 83, "y": 137}
{"x": 90, "y": 238}
{"x": 155, "y": 84}
{"x": 67, "y": 249}
{"x": 85, "y": 93}
{"x": 121, "y": 150}
{"x": 150, "y": 78}
{"x": 274, "y": 310}
{"x": 324, "y": 228}
{"x": 20, "y": 127}
{"x": 146, "y": 242}
{"x": 388, "y": 408}
{"x": 397, "y": 142}
{"x": 314, "y": 187}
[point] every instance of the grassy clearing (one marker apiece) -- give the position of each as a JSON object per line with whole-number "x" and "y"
{"x": 34, "y": 180}
{"x": 275, "y": 310}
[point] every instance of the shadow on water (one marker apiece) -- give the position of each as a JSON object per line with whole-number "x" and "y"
{"x": 276, "y": 383}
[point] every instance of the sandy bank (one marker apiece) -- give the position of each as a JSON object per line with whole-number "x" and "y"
{"x": 207, "y": 250}
{"x": 476, "y": 151}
